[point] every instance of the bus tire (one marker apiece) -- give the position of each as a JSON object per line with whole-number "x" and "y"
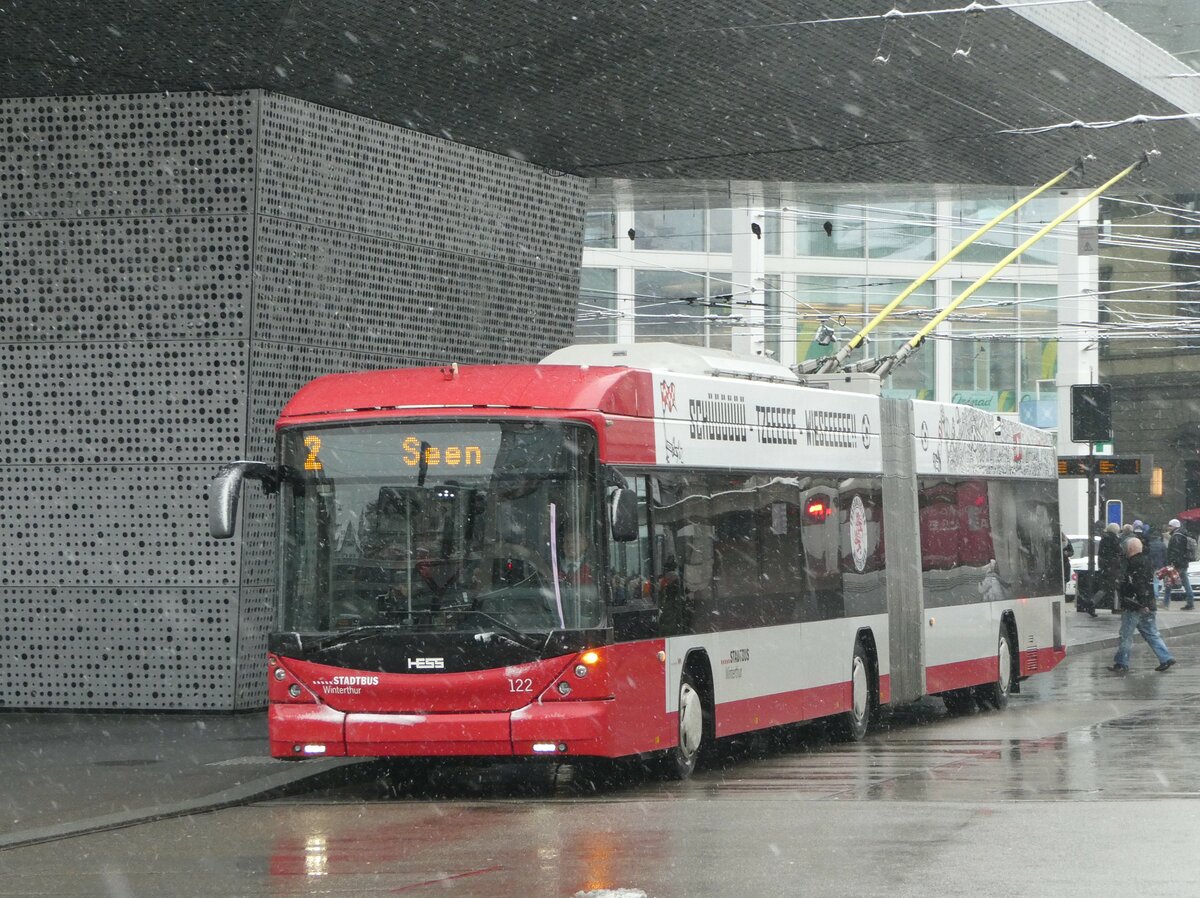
{"x": 678, "y": 762}
{"x": 852, "y": 725}
{"x": 995, "y": 695}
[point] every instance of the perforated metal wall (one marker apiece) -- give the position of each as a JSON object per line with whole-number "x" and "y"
{"x": 173, "y": 267}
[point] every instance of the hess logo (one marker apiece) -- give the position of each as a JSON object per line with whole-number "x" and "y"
{"x": 427, "y": 663}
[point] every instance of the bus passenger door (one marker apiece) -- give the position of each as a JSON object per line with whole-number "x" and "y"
{"x": 634, "y": 612}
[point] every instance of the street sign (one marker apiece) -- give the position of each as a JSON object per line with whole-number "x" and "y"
{"x": 1113, "y": 511}
{"x": 1105, "y": 449}
{"x": 1083, "y": 465}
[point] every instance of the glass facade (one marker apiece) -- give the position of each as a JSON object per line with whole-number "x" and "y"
{"x": 816, "y": 264}
{"x": 596, "y": 320}
{"x": 683, "y": 307}
{"x": 835, "y": 228}
{"x": 902, "y": 230}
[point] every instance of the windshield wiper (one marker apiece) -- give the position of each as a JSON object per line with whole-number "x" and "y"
{"x": 509, "y": 632}
{"x": 356, "y": 634}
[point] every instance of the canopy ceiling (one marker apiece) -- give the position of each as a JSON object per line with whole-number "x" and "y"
{"x": 667, "y": 89}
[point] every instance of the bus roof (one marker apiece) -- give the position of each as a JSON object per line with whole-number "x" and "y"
{"x": 608, "y": 390}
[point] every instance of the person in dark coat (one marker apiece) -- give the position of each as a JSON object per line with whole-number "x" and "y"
{"x": 1138, "y": 610}
{"x": 1068, "y": 551}
{"x": 1109, "y": 567}
{"x": 1156, "y": 547}
{"x": 1179, "y": 556}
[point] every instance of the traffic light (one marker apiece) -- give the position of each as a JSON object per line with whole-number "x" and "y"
{"x": 1091, "y": 413}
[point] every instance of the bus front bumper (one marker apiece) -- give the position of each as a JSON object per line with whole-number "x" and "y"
{"x": 578, "y": 728}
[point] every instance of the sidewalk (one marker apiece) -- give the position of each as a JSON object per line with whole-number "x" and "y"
{"x": 68, "y": 773}
{"x": 1086, "y": 633}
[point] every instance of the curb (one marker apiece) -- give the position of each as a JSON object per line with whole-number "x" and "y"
{"x": 274, "y": 786}
{"x": 1110, "y": 642}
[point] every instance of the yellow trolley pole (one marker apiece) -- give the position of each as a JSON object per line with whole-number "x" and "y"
{"x": 836, "y": 360}
{"x": 911, "y": 346}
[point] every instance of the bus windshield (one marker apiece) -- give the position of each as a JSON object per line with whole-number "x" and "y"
{"x": 435, "y": 526}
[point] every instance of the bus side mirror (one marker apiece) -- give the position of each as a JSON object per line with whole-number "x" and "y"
{"x": 227, "y": 488}
{"x": 623, "y": 506}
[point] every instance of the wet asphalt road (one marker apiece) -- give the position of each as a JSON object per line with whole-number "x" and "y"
{"x": 1086, "y": 785}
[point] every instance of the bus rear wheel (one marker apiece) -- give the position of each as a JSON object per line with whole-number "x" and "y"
{"x": 852, "y": 725}
{"x": 679, "y": 762}
{"x": 995, "y": 695}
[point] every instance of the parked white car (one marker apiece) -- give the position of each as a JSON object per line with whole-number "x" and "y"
{"x": 1079, "y": 561}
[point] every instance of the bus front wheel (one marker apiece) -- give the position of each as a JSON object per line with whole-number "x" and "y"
{"x": 678, "y": 763}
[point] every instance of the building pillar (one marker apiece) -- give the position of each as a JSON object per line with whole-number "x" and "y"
{"x": 1078, "y": 336}
{"x": 943, "y": 295}
{"x": 749, "y": 268}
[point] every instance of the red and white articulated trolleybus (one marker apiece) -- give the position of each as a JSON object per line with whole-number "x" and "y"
{"x": 635, "y": 550}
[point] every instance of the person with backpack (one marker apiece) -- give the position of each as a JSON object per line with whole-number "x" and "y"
{"x": 1179, "y": 556}
{"x": 1156, "y": 548}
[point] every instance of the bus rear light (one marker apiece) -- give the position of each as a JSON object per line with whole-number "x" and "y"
{"x": 294, "y": 690}
{"x": 543, "y": 748}
{"x": 590, "y": 657}
{"x": 819, "y": 509}
{"x": 280, "y": 674}
{"x": 581, "y": 670}
{"x": 312, "y": 748}
{"x": 564, "y": 688}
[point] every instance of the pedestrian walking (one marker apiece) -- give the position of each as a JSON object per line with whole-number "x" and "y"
{"x": 1179, "y": 556}
{"x": 1138, "y": 610}
{"x": 1068, "y": 551}
{"x": 1109, "y": 567}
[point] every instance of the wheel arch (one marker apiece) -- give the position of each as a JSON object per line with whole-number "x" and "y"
{"x": 697, "y": 663}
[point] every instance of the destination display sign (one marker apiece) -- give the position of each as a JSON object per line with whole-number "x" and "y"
{"x": 400, "y": 453}
{"x": 1084, "y": 465}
